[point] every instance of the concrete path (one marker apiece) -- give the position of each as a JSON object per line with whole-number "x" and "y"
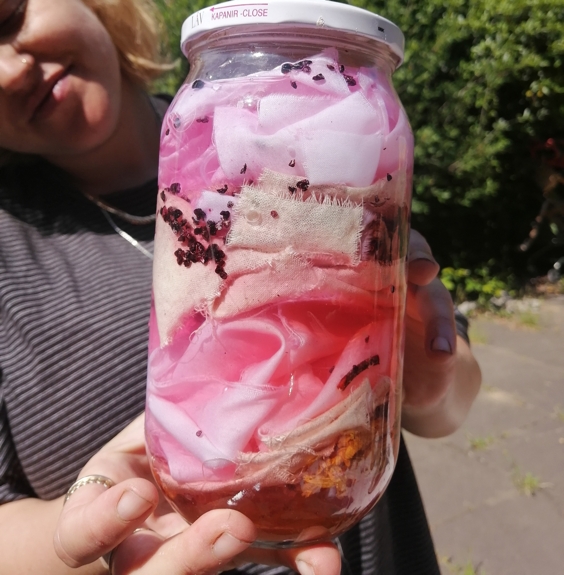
{"x": 494, "y": 491}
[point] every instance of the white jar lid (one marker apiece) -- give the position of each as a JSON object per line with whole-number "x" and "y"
{"x": 320, "y": 13}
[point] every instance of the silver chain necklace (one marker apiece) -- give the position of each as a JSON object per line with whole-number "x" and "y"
{"x": 126, "y": 236}
{"x": 108, "y": 209}
{"x": 129, "y": 218}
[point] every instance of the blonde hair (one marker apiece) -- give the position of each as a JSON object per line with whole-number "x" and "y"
{"x": 136, "y": 31}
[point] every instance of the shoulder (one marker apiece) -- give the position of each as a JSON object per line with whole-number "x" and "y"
{"x": 37, "y": 196}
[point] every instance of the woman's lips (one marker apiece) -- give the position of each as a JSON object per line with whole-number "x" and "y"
{"x": 53, "y": 92}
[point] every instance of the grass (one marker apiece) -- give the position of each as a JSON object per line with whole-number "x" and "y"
{"x": 527, "y": 484}
{"x": 467, "y": 568}
{"x": 479, "y": 443}
{"x": 477, "y": 336}
{"x": 559, "y": 413}
{"x": 528, "y": 319}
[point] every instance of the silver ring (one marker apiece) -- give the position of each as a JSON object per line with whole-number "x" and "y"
{"x": 107, "y": 560}
{"x": 98, "y": 479}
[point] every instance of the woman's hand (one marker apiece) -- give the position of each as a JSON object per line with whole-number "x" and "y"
{"x": 441, "y": 377}
{"x": 96, "y": 520}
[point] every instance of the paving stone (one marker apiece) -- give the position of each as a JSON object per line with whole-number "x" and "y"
{"x": 476, "y": 507}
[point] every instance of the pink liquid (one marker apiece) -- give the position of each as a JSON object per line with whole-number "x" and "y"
{"x": 279, "y": 289}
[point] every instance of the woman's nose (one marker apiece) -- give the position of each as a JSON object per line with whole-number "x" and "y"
{"x": 16, "y": 72}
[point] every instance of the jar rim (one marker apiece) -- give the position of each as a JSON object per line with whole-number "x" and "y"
{"x": 321, "y": 14}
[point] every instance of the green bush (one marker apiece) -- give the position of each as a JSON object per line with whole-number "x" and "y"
{"x": 482, "y": 80}
{"x": 479, "y": 285}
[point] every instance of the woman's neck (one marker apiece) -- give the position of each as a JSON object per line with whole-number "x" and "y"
{"x": 129, "y": 157}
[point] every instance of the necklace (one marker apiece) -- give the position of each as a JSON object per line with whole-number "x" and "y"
{"x": 129, "y": 218}
{"x": 108, "y": 209}
{"x": 126, "y": 236}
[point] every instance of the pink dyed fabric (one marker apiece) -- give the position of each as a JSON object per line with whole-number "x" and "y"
{"x": 242, "y": 357}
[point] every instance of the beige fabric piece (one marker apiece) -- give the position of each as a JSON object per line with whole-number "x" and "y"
{"x": 270, "y": 220}
{"x": 353, "y": 412}
{"x": 384, "y": 189}
{"x": 288, "y": 275}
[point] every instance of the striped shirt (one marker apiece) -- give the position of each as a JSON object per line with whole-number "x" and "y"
{"x": 74, "y": 307}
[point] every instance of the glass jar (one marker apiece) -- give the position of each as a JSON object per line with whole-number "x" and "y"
{"x": 276, "y": 343}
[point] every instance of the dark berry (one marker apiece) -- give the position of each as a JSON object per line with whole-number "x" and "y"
{"x": 198, "y": 84}
{"x": 225, "y": 214}
{"x": 167, "y": 132}
{"x": 286, "y": 68}
{"x": 356, "y": 369}
{"x": 212, "y": 226}
{"x": 203, "y": 120}
{"x": 350, "y": 80}
{"x": 303, "y": 185}
{"x": 221, "y": 272}
{"x": 341, "y": 68}
{"x": 292, "y": 163}
{"x": 218, "y": 254}
{"x": 274, "y": 214}
{"x": 332, "y": 68}
{"x": 388, "y": 177}
{"x": 199, "y": 433}
{"x": 175, "y": 188}
{"x": 222, "y": 190}
{"x": 163, "y": 196}
{"x": 200, "y": 214}
{"x": 229, "y": 205}
{"x": 294, "y": 84}
{"x": 179, "y": 256}
{"x": 291, "y": 189}
{"x": 243, "y": 169}
{"x": 318, "y": 77}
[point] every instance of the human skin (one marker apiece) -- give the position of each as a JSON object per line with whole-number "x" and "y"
{"x": 62, "y": 96}
{"x": 441, "y": 377}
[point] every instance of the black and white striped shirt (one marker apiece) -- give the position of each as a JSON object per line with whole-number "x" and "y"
{"x": 74, "y": 307}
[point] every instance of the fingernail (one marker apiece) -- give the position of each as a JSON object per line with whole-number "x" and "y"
{"x": 304, "y": 568}
{"x": 227, "y": 546}
{"x": 422, "y": 256}
{"x": 441, "y": 343}
{"x": 131, "y": 506}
